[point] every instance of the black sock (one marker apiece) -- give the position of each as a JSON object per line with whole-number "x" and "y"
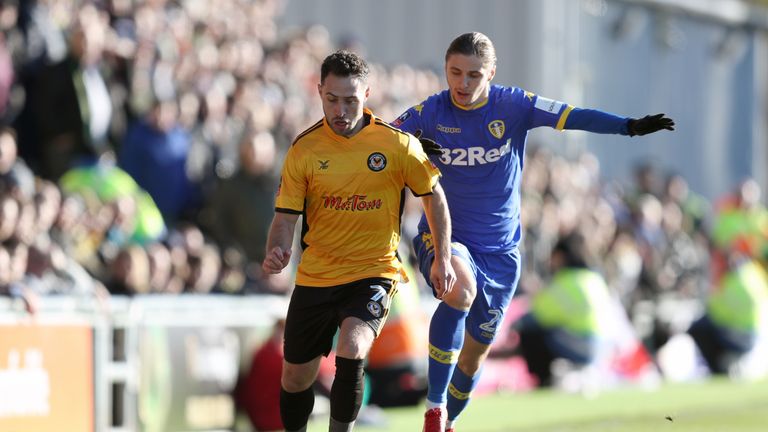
{"x": 295, "y": 408}
{"x": 347, "y": 390}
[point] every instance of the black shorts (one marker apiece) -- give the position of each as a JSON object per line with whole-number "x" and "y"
{"x": 314, "y": 314}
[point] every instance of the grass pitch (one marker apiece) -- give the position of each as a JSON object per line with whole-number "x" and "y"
{"x": 717, "y": 405}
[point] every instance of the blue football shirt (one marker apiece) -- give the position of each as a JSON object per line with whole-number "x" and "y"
{"x": 482, "y": 159}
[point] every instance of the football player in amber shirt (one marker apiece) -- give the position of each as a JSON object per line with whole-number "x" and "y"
{"x": 346, "y": 175}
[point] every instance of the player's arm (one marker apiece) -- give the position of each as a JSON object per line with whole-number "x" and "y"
{"x": 435, "y": 205}
{"x": 559, "y": 115}
{"x": 289, "y": 204}
{"x": 409, "y": 121}
{"x": 279, "y": 242}
{"x": 597, "y": 121}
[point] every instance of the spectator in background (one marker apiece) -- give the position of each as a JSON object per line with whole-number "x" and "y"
{"x": 162, "y": 280}
{"x": 72, "y": 105}
{"x": 129, "y": 272}
{"x": 154, "y": 153}
{"x": 6, "y": 68}
{"x": 683, "y": 262}
{"x": 623, "y": 264}
{"x": 5, "y": 270}
{"x": 204, "y": 269}
{"x": 696, "y": 209}
{"x": 32, "y": 39}
{"x": 18, "y": 252}
{"x": 258, "y": 393}
{"x": 45, "y": 260}
{"x": 736, "y": 316}
{"x": 179, "y": 262}
{"x": 47, "y": 200}
{"x": 241, "y": 209}
{"x": 9, "y": 216}
{"x": 647, "y": 182}
{"x": 15, "y": 177}
{"x": 122, "y": 226}
{"x": 569, "y": 317}
{"x": 132, "y": 215}
{"x": 740, "y": 225}
{"x": 13, "y": 275}
{"x": 651, "y": 241}
{"x": 26, "y": 226}
{"x": 216, "y": 135}
{"x": 232, "y": 277}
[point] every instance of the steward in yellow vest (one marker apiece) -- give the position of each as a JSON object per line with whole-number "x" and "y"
{"x": 736, "y": 311}
{"x": 568, "y": 317}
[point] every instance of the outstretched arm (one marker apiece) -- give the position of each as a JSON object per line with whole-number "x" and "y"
{"x": 597, "y": 121}
{"x": 442, "y": 275}
{"x": 279, "y": 242}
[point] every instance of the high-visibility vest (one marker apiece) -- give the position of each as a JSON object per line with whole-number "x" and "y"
{"x": 576, "y": 300}
{"x": 741, "y": 301}
{"x": 743, "y": 230}
{"x": 107, "y": 183}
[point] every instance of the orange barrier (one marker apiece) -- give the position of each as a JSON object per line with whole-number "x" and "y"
{"x": 46, "y": 378}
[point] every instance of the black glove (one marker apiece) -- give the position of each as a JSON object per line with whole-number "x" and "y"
{"x": 649, "y": 124}
{"x": 430, "y": 146}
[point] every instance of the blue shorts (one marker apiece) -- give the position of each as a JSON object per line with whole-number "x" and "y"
{"x": 496, "y": 276}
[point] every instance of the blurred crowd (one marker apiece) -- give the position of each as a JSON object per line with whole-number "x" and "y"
{"x": 141, "y": 142}
{"x": 649, "y": 239}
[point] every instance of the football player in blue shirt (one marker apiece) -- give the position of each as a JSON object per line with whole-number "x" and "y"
{"x": 477, "y": 134}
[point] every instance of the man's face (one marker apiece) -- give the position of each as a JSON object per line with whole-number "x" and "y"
{"x": 468, "y": 78}
{"x": 343, "y": 101}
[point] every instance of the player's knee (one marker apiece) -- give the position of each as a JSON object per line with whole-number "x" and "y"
{"x": 296, "y": 378}
{"x": 468, "y": 296}
{"x": 353, "y": 349}
{"x": 463, "y": 293}
{"x": 355, "y": 339}
{"x": 466, "y": 279}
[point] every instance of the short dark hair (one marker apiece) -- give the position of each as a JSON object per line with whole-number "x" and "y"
{"x": 474, "y": 43}
{"x": 343, "y": 64}
{"x": 574, "y": 250}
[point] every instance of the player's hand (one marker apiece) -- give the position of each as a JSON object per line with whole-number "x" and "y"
{"x": 429, "y": 145}
{"x": 442, "y": 277}
{"x": 649, "y": 124}
{"x": 276, "y": 260}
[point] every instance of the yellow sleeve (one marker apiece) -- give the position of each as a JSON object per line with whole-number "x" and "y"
{"x": 293, "y": 183}
{"x": 421, "y": 174}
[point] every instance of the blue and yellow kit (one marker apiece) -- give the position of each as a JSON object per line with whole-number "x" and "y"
{"x": 483, "y": 154}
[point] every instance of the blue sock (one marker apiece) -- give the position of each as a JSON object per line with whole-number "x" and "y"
{"x": 459, "y": 391}
{"x": 446, "y": 336}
